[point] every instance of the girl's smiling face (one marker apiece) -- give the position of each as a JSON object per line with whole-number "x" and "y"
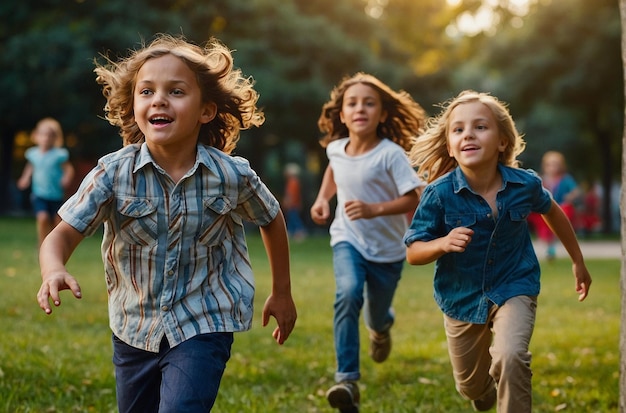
{"x": 362, "y": 110}
{"x": 167, "y": 103}
{"x": 473, "y": 137}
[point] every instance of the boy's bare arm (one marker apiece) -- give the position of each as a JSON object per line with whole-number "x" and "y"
{"x": 280, "y": 303}
{"x": 54, "y": 253}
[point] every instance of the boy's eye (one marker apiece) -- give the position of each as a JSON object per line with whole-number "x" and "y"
{"x": 145, "y": 91}
{"x": 457, "y": 130}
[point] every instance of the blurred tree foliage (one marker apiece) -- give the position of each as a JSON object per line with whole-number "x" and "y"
{"x": 558, "y": 66}
{"x": 562, "y": 73}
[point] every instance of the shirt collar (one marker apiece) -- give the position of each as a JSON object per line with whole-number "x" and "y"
{"x": 202, "y": 157}
{"x": 143, "y": 158}
{"x": 508, "y": 176}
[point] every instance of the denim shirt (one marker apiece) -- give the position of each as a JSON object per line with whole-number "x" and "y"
{"x": 500, "y": 262}
{"x": 175, "y": 256}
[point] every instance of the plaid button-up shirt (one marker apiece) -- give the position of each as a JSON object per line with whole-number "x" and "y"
{"x": 175, "y": 255}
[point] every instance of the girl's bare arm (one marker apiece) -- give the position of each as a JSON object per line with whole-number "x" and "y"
{"x": 561, "y": 226}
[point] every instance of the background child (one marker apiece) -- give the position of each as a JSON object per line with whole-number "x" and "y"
{"x": 367, "y": 129}
{"x": 173, "y": 202}
{"x": 472, "y": 221}
{"x": 292, "y": 202}
{"x": 50, "y": 173}
{"x": 565, "y": 192}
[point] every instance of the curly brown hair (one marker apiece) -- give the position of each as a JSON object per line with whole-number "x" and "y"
{"x": 405, "y": 117}
{"x": 219, "y": 82}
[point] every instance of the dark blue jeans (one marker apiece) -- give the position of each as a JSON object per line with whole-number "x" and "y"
{"x": 184, "y": 378}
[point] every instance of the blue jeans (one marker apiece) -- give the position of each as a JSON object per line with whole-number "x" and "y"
{"x": 184, "y": 378}
{"x": 360, "y": 284}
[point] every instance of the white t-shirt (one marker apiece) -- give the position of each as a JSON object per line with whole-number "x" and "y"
{"x": 380, "y": 175}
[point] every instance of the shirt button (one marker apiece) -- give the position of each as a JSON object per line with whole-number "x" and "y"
{"x": 170, "y": 272}
{"x": 165, "y": 308}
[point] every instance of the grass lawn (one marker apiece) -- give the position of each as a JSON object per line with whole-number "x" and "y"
{"x": 62, "y": 362}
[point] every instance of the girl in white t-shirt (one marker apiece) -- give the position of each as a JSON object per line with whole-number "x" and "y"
{"x": 368, "y": 128}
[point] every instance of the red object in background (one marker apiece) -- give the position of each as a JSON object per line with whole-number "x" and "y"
{"x": 542, "y": 230}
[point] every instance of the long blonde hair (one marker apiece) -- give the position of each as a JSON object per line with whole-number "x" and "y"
{"x": 430, "y": 150}
{"x": 219, "y": 82}
{"x": 405, "y": 117}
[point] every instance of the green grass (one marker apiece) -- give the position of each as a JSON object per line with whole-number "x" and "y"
{"x": 62, "y": 362}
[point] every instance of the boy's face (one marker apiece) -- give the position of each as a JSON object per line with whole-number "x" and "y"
{"x": 167, "y": 104}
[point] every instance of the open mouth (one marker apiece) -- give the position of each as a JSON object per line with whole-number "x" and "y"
{"x": 160, "y": 120}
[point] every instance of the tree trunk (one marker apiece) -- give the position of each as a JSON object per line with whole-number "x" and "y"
{"x": 622, "y": 203}
{"x": 7, "y": 137}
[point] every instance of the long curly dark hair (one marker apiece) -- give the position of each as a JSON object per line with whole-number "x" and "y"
{"x": 405, "y": 117}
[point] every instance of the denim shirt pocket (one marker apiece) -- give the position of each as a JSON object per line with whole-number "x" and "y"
{"x": 138, "y": 222}
{"x": 460, "y": 220}
{"x": 515, "y": 231}
{"x": 215, "y": 218}
{"x": 518, "y": 215}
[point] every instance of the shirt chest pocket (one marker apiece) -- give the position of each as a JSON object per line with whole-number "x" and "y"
{"x": 138, "y": 221}
{"x": 519, "y": 215}
{"x": 460, "y": 220}
{"x": 216, "y": 219}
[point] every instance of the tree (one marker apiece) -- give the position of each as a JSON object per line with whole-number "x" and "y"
{"x": 622, "y": 340}
{"x": 562, "y": 75}
{"x": 46, "y": 60}
{"x": 296, "y": 51}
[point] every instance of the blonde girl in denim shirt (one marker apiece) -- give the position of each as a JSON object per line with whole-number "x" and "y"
{"x": 173, "y": 202}
{"x": 472, "y": 220}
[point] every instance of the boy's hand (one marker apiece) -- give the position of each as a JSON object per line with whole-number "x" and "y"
{"x": 583, "y": 280}
{"x": 283, "y": 309}
{"x": 50, "y": 287}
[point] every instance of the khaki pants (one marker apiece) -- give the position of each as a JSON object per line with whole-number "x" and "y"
{"x": 495, "y": 354}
